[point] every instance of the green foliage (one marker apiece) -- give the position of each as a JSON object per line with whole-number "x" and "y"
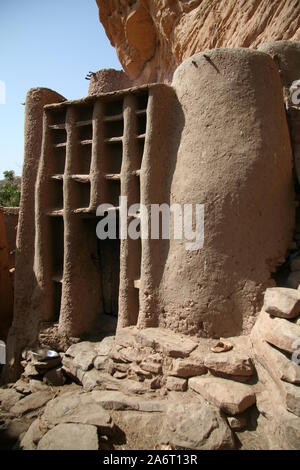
{"x": 9, "y": 190}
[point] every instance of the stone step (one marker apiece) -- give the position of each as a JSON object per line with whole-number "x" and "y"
{"x": 279, "y": 366}
{"x": 282, "y": 302}
{"x": 231, "y": 397}
{"x": 172, "y": 344}
{"x": 234, "y": 362}
{"x": 280, "y": 332}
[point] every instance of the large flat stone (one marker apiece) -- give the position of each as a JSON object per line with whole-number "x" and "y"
{"x": 188, "y": 367}
{"x": 113, "y": 400}
{"x": 282, "y": 302}
{"x": 32, "y": 402}
{"x": 231, "y": 397}
{"x": 233, "y": 362}
{"x": 37, "y": 386}
{"x": 70, "y": 437}
{"x": 279, "y": 366}
{"x": 98, "y": 379}
{"x": 82, "y": 347}
{"x": 172, "y": 344}
{"x": 196, "y": 426}
{"x": 79, "y": 408}
{"x": 278, "y": 331}
{"x": 9, "y": 397}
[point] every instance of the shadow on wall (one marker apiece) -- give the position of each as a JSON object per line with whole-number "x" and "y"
{"x": 163, "y": 139}
{"x": 170, "y": 122}
{"x": 6, "y": 286}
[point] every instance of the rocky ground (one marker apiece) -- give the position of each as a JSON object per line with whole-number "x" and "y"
{"x": 92, "y": 397}
{"x": 156, "y": 389}
{"x": 68, "y": 417}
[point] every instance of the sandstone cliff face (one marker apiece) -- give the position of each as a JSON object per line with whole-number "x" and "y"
{"x": 153, "y": 37}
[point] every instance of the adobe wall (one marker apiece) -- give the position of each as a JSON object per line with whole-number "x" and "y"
{"x": 68, "y": 282}
{"x": 6, "y": 288}
{"x": 219, "y": 137}
{"x": 165, "y": 123}
{"x": 286, "y": 55}
{"x": 24, "y": 332}
{"x": 235, "y": 158}
{"x": 107, "y": 80}
{"x": 11, "y": 215}
{"x": 93, "y": 151}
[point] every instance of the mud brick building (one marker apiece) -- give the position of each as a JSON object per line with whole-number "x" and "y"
{"x": 218, "y": 135}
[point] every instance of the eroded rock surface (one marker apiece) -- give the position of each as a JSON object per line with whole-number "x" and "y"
{"x": 153, "y": 38}
{"x": 70, "y": 437}
{"x": 196, "y": 426}
{"x": 32, "y": 402}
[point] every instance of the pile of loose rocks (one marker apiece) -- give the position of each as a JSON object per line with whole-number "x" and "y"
{"x": 276, "y": 343}
{"x": 160, "y": 361}
{"x": 185, "y": 393}
{"x": 168, "y": 361}
{"x": 104, "y": 405}
{"x": 41, "y": 367}
{"x": 21, "y": 402}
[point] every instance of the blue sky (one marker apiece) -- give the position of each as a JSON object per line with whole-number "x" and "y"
{"x": 45, "y": 43}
